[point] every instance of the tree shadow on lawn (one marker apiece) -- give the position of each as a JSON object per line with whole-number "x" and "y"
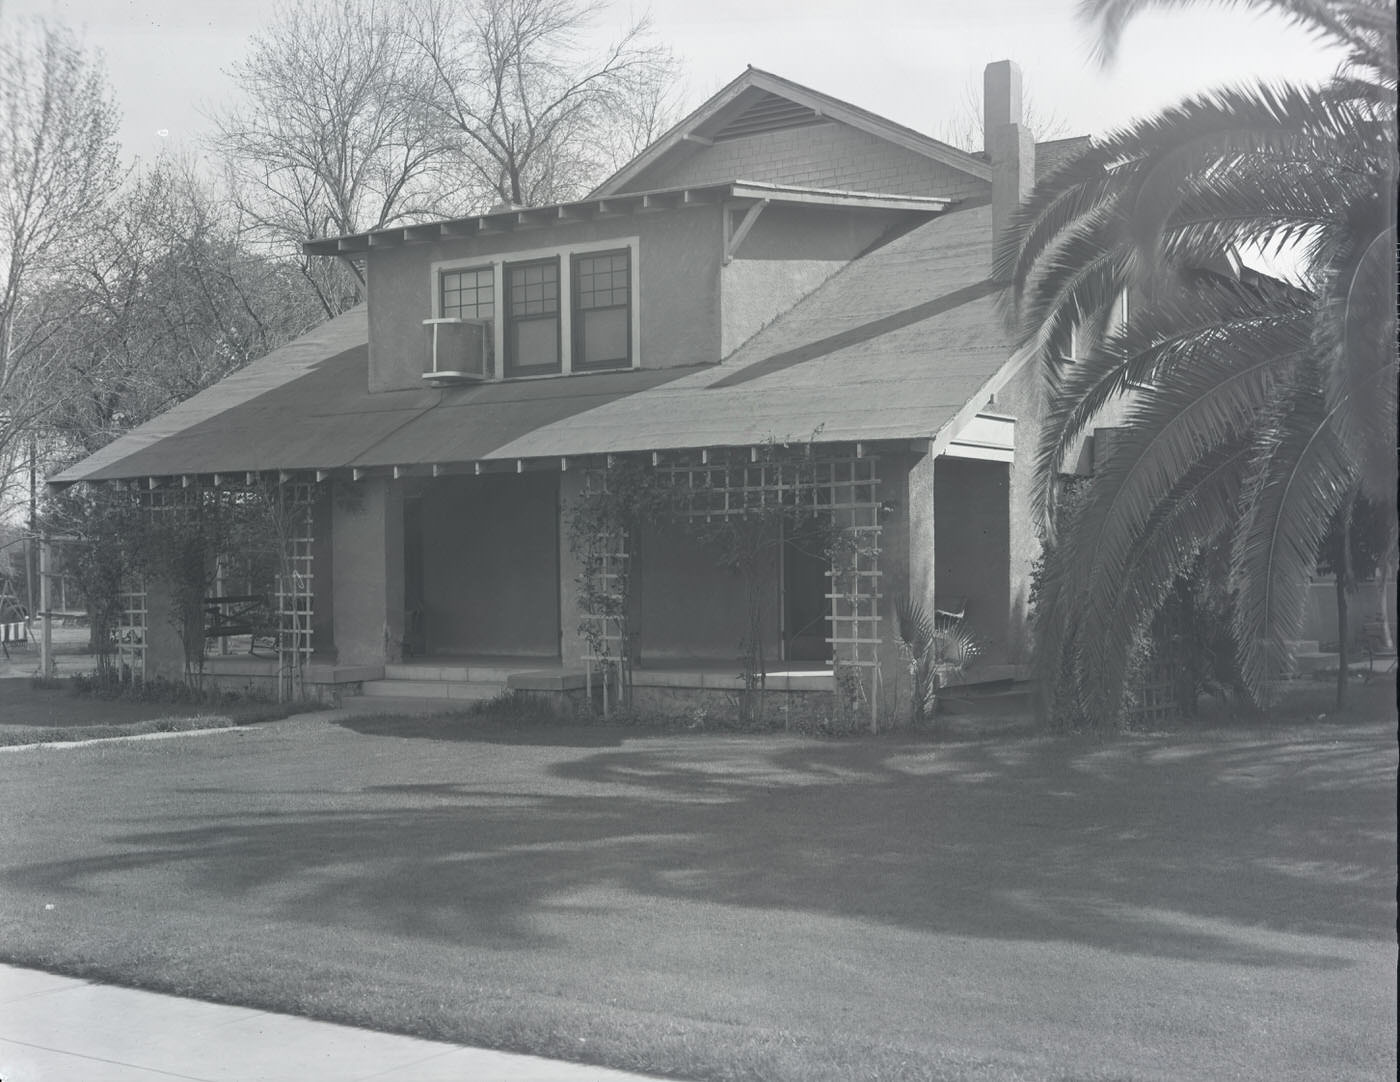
{"x": 1167, "y": 847}
{"x": 458, "y": 727}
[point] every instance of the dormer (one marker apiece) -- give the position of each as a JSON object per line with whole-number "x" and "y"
{"x": 672, "y": 262}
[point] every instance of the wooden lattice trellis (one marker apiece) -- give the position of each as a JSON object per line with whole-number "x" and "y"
{"x": 605, "y": 617}
{"x": 131, "y": 630}
{"x": 843, "y": 485}
{"x": 290, "y": 515}
{"x": 849, "y": 489}
{"x": 294, "y": 593}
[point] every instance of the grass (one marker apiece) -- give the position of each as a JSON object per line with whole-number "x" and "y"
{"x": 63, "y": 709}
{"x": 1168, "y": 906}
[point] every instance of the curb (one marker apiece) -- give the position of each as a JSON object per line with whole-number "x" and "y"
{"x": 64, "y": 744}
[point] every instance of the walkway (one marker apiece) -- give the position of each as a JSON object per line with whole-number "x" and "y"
{"x": 54, "y": 1028}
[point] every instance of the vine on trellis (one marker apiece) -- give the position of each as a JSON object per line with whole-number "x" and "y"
{"x": 742, "y": 505}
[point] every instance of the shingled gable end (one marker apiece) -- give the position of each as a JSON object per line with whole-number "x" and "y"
{"x": 782, "y": 266}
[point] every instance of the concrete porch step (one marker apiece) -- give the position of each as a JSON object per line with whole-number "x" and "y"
{"x": 470, "y": 672}
{"x": 445, "y": 690}
{"x": 1311, "y": 661}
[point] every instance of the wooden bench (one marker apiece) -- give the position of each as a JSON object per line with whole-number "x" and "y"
{"x": 240, "y": 614}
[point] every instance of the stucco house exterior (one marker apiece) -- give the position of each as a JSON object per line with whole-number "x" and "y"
{"x": 781, "y": 268}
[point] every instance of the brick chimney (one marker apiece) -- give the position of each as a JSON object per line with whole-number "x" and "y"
{"x": 1009, "y": 146}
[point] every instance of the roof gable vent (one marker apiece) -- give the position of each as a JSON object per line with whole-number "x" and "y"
{"x": 767, "y": 113}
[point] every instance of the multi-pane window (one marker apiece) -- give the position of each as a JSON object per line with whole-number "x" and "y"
{"x": 532, "y": 318}
{"x": 471, "y": 294}
{"x": 602, "y": 311}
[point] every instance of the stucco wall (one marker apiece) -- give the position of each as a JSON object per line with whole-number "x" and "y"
{"x": 677, "y": 274}
{"x": 491, "y": 565}
{"x": 787, "y": 253}
{"x": 828, "y": 155}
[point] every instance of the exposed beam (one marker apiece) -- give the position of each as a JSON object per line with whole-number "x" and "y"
{"x": 691, "y": 137}
{"x": 733, "y": 240}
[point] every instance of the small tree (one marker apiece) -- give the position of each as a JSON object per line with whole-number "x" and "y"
{"x": 605, "y": 522}
{"x": 1355, "y": 548}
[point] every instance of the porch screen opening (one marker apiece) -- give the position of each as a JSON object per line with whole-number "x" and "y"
{"x": 602, "y": 322}
{"x": 532, "y": 318}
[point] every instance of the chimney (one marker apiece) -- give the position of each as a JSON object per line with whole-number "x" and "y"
{"x": 1010, "y": 148}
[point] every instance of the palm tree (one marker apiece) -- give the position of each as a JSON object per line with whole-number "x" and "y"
{"x": 1254, "y": 408}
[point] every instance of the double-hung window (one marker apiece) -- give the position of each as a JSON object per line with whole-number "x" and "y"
{"x": 532, "y": 318}
{"x": 601, "y": 287}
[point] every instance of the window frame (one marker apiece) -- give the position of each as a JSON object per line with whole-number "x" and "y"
{"x": 577, "y": 329}
{"x": 499, "y": 260}
{"x": 511, "y": 368}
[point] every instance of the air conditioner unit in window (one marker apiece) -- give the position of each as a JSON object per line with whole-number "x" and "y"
{"x": 459, "y": 350}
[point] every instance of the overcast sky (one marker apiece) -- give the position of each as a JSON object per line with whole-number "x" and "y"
{"x": 913, "y": 61}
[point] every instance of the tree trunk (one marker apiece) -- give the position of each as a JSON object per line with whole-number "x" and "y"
{"x": 1342, "y": 661}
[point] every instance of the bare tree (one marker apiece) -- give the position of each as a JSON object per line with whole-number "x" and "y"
{"x": 538, "y": 116}
{"x": 175, "y": 301}
{"x": 333, "y": 136}
{"x": 963, "y": 128}
{"x": 58, "y": 173}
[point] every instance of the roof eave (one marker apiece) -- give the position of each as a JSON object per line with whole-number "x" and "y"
{"x": 495, "y": 222}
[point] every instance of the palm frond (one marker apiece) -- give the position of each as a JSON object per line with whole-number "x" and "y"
{"x": 1336, "y": 19}
{"x": 1200, "y": 509}
{"x": 1355, "y": 337}
{"x": 1301, "y": 474}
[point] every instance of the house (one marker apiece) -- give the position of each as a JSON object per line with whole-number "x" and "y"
{"x": 781, "y": 268}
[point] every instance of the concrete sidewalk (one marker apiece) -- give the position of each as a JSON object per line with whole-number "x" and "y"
{"x": 57, "y": 1029}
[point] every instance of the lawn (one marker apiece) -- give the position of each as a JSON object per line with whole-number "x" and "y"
{"x": 33, "y": 711}
{"x": 1201, "y": 905}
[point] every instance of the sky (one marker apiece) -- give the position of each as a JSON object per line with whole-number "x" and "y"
{"x": 918, "y": 62}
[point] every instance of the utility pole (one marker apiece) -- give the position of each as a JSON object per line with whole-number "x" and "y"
{"x": 30, "y": 570}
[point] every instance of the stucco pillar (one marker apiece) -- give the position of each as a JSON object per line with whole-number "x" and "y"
{"x": 895, "y": 584}
{"x": 165, "y": 649}
{"x": 367, "y": 562}
{"x": 921, "y": 515}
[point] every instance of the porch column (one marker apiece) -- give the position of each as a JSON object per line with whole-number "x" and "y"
{"x": 367, "y": 558}
{"x": 921, "y": 513}
{"x": 898, "y": 553}
{"x": 165, "y": 649}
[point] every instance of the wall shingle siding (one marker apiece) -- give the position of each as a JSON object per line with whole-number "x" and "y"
{"x": 829, "y": 155}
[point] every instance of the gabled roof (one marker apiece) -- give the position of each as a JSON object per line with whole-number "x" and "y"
{"x": 895, "y": 346}
{"x": 759, "y": 101}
